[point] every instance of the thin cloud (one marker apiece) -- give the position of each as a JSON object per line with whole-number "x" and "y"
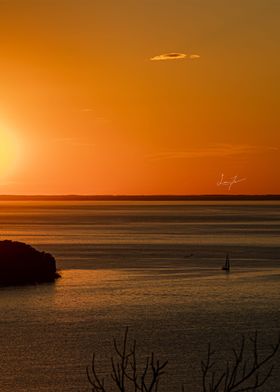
{"x": 221, "y": 150}
{"x": 194, "y": 56}
{"x": 73, "y": 141}
{"x": 169, "y": 56}
{"x": 7, "y": 183}
{"x": 174, "y": 56}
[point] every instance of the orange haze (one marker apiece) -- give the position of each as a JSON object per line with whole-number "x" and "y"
{"x": 86, "y": 111}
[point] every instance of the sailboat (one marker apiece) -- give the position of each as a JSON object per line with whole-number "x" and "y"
{"x": 226, "y": 266}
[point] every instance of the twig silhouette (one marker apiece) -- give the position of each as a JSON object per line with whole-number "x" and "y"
{"x": 242, "y": 374}
{"x": 127, "y": 374}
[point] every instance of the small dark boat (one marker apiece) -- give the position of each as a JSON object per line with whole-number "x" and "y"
{"x": 226, "y": 266}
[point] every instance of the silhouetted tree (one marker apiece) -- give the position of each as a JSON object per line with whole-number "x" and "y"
{"x": 247, "y": 372}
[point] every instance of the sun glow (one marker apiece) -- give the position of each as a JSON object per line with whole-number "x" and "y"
{"x": 9, "y": 152}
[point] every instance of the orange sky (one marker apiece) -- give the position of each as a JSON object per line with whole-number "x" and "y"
{"x": 84, "y": 110}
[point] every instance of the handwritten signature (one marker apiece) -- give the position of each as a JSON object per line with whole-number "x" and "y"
{"x": 230, "y": 181}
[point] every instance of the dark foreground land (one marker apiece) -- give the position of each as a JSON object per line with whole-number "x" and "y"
{"x": 20, "y": 264}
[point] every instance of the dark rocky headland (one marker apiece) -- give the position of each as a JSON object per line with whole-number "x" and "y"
{"x": 21, "y": 264}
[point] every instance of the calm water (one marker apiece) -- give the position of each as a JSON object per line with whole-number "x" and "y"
{"x": 127, "y": 264}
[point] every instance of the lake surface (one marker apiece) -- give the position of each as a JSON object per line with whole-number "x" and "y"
{"x": 152, "y": 266}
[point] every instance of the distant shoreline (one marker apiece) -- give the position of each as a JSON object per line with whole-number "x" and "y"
{"x": 271, "y": 197}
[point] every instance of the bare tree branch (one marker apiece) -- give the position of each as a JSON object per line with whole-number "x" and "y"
{"x": 247, "y": 372}
{"x": 126, "y": 373}
{"x": 240, "y": 375}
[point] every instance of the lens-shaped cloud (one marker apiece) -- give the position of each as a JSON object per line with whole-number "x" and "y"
{"x": 174, "y": 56}
{"x": 169, "y": 56}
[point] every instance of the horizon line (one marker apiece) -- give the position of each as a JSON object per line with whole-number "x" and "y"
{"x": 269, "y": 196}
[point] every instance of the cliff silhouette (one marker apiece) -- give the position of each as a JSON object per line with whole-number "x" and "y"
{"x": 20, "y": 263}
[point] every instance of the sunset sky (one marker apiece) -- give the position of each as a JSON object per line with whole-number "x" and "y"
{"x": 139, "y": 97}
